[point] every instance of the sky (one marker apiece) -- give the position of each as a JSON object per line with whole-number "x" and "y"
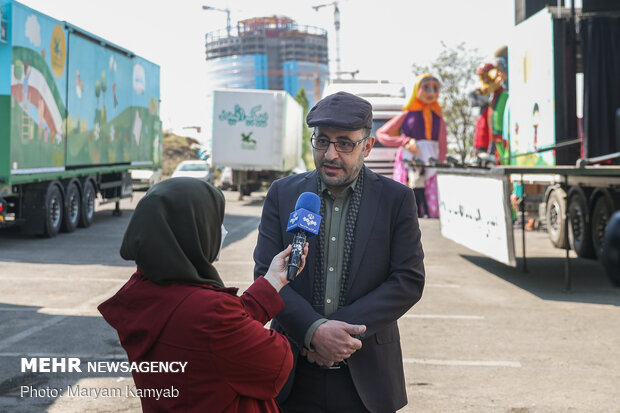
{"x": 381, "y": 39}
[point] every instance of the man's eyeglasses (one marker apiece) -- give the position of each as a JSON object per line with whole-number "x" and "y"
{"x": 321, "y": 143}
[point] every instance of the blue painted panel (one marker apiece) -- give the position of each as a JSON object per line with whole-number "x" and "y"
{"x": 5, "y": 47}
{"x": 291, "y": 79}
{"x": 261, "y": 78}
{"x": 298, "y": 74}
{"x": 113, "y": 106}
{"x": 99, "y": 99}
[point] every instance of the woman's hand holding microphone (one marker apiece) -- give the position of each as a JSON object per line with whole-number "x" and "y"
{"x": 276, "y": 274}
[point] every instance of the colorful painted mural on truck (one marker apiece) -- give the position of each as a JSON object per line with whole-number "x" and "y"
{"x": 37, "y": 106}
{"x": 532, "y": 101}
{"x": 77, "y": 101}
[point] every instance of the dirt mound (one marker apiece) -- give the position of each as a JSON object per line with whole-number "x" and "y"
{"x": 176, "y": 149}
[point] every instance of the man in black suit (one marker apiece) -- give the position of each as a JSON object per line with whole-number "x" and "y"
{"x": 365, "y": 270}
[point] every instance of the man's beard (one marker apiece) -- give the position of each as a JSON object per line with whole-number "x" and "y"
{"x": 339, "y": 181}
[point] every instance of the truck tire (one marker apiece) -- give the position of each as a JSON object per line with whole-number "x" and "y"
{"x": 255, "y": 186}
{"x": 54, "y": 208}
{"x": 556, "y": 217}
{"x": 87, "y": 213}
{"x": 579, "y": 232}
{"x": 245, "y": 189}
{"x": 602, "y": 211}
{"x": 73, "y": 206}
{"x": 611, "y": 251}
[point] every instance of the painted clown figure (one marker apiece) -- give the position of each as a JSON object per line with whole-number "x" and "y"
{"x": 420, "y": 133}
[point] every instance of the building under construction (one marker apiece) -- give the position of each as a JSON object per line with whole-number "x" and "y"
{"x": 268, "y": 53}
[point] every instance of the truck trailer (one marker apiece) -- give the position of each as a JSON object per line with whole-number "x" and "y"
{"x": 257, "y": 133}
{"x": 76, "y": 114}
{"x": 563, "y": 132}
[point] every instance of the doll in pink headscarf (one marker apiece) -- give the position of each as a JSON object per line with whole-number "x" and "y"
{"x": 419, "y": 131}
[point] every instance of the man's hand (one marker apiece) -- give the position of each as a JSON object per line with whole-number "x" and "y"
{"x": 333, "y": 342}
{"x": 314, "y": 357}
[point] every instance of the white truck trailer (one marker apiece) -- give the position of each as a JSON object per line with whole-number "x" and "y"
{"x": 564, "y": 139}
{"x": 257, "y": 133}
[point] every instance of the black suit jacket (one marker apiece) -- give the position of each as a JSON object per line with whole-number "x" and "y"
{"x": 386, "y": 280}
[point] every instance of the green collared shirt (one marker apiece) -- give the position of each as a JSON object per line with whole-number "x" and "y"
{"x": 336, "y": 208}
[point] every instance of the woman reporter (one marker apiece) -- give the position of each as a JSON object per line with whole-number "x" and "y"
{"x": 175, "y": 308}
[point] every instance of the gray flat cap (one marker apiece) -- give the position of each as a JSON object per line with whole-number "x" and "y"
{"x": 341, "y": 110}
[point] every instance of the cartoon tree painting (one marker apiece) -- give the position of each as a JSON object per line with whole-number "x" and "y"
{"x": 97, "y": 91}
{"x": 99, "y": 114}
{"x": 104, "y": 83}
{"x": 104, "y": 87}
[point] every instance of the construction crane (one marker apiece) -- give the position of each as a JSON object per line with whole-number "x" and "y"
{"x": 227, "y": 11}
{"x": 337, "y": 27}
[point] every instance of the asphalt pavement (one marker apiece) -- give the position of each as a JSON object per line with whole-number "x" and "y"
{"x": 484, "y": 338}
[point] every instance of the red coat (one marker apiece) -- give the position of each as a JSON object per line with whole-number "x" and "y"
{"x": 234, "y": 363}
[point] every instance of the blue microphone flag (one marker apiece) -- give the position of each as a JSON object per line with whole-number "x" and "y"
{"x": 305, "y": 216}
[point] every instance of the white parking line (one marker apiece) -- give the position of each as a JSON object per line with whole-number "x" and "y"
{"x": 74, "y": 312}
{"x": 472, "y": 363}
{"x": 445, "y": 316}
{"x": 86, "y": 306}
{"x": 442, "y": 285}
{"x": 54, "y": 311}
{"x": 30, "y": 331}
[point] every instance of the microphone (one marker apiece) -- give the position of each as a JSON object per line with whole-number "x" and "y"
{"x": 304, "y": 222}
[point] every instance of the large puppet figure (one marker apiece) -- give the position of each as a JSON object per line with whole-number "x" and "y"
{"x": 420, "y": 132}
{"x": 482, "y": 133}
{"x": 492, "y": 77}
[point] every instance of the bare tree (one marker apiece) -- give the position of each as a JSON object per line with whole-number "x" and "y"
{"x": 455, "y": 67}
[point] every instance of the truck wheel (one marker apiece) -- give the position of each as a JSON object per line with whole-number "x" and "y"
{"x": 611, "y": 251}
{"x": 53, "y": 211}
{"x": 87, "y": 214}
{"x": 579, "y": 233}
{"x": 245, "y": 189}
{"x": 255, "y": 186}
{"x": 555, "y": 217}
{"x": 73, "y": 205}
{"x": 603, "y": 208}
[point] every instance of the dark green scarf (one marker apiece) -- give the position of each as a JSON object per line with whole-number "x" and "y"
{"x": 174, "y": 234}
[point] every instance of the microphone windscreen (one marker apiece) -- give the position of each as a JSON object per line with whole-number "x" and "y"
{"x": 309, "y": 201}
